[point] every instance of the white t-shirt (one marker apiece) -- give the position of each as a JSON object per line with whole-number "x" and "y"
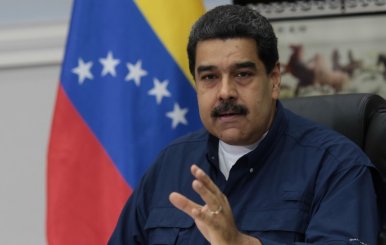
{"x": 229, "y": 154}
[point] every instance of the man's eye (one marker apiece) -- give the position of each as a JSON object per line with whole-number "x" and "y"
{"x": 243, "y": 74}
{"x": 208, "y": 77}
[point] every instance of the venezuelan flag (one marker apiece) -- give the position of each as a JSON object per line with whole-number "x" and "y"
{"x": 124, "y": 93}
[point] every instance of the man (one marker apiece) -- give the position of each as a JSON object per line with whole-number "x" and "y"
{"x": 258, "y": 174}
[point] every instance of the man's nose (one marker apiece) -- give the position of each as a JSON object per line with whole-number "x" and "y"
{"x": 228, "y": 89}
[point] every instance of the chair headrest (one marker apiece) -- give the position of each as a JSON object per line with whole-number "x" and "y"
{"x": 375, "y": 146}
{"x": 349, "y": 114}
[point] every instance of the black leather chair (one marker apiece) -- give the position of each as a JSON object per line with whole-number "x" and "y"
{"x": 360, "y": 117}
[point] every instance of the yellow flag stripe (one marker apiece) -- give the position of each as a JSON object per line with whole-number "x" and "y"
{"x": 171, "y": 20}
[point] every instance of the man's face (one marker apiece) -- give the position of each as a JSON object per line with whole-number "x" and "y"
{"x": 236, "y": 97}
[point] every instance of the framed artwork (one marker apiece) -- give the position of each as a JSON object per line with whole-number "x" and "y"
{"x": 329, "y": 47}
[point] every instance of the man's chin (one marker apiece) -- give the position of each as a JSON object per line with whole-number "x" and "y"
{"x": 232, "y": 136}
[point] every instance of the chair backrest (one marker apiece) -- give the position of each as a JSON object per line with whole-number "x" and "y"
{"x": 360, "y": 117}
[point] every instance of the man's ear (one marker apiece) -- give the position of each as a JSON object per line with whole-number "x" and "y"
{"x": 275, "y": 78}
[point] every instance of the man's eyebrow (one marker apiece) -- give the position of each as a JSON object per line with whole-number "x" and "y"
{"x": 246, "y": 64}
{"x": 205, "y": 68}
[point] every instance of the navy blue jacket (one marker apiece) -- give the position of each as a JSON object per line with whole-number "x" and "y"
{"x": 303, "y": 184}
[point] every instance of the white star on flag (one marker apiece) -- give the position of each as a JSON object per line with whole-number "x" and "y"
{"x": 109, "y": 64}
{"x": 83, "y": 71}
{"x": 159, "y": 90}
{"x": 135, "y": 72}
{"x": 178, "y": 115}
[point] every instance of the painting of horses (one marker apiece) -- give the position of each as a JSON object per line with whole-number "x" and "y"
{"x": 332, "y": 55}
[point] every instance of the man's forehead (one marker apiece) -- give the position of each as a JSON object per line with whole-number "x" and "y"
{"x": 224, "y": 47}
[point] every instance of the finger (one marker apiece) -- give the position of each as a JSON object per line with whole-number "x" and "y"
{"x": 194, "y": 210}
{"x": 204, "y": 179}
{"x": 210, "y": 199}
{"x": 184, "y": 204}
{"x": 207, "y": 190}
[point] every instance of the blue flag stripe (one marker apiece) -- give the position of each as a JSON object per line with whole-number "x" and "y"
{"x": 129, "y": 120}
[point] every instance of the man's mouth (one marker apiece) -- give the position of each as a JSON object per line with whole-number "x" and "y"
{"x": 229, "y": 114}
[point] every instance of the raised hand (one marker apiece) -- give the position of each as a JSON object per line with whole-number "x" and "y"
{"x": 215, "y": 219}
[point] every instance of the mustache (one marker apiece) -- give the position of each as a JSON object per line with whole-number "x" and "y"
{"x": 229, "y": 107}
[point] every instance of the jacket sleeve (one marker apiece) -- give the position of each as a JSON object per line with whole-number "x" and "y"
{"x": 129, "y": 227}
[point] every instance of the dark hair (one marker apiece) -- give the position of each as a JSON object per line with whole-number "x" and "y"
{"x": 233, "y": 21}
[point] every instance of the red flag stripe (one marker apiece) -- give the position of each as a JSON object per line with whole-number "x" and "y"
{"x": 85, "y": 191}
